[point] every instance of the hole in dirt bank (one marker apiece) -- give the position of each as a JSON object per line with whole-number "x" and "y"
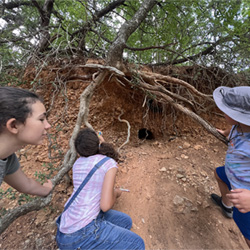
{"x": 145, "y": 134}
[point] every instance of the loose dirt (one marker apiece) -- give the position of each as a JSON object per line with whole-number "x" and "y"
{"x": 170, "y": 177}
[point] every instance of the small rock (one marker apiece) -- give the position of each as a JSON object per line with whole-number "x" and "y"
{"x": 156, "y": 143}
{"x": 194, "y": 209}
{"x": 197, "y": 147}
{"x": 181, "y": 171}
{"x": 167, "y": 155}
{"x": 27, "y": 242}
{"x": 204, "y": 174}
{"x": 205, "y": 204}
{"x": 178, "y": 200}
{"x": 129, "y": 155}
{"x": 186, "y": 145}
{"x": 29, "y": 234}
{"x": 184, "y": 156}
{"x": 163, "y": 169}
{"x": 179, "y": 176}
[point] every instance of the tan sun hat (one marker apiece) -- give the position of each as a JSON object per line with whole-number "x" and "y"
{"x": 234, "y": 102}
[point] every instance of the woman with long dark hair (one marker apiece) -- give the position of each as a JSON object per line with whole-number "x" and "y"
{"x": 22, "y": 122}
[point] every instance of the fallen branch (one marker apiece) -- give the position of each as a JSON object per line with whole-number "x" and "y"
{"x": 128, "y": 136}
{"x": 102, "y": 73}
{"x": 160, "y": 92}
{"x": 69, "y": 158}
{"x": 154, "y": 76}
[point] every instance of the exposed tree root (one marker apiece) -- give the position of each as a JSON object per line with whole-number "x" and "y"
{"x": 128, "y": 136}
{"x": 70, "y": 156}
{"x": 150, "y": 84}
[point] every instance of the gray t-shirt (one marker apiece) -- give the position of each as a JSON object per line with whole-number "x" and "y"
{"x": 8, "y": 166}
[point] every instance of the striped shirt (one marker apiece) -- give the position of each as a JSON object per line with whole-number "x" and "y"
{"x": 86, "y": 205}
{"x": 237, "y": 163}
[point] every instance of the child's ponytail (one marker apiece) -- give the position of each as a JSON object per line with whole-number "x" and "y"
{"x": 87, "y": 143}
{"x": 108, "y": 150}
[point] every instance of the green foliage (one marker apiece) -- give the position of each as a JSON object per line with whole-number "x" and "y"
{"x": 3, "y": 211}
{"x": 9, "y": 193}
{"x": 191, "y": 27}
{"x": 172, "y": 30}
{"x": 24, "y": 198}
{"x": 42, "y": 176}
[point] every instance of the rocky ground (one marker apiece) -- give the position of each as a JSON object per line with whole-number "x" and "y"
{"x": 170, "y": 177}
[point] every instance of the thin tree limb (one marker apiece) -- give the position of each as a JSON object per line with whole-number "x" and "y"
{"x": 69, "y": 158}
{"x": 116, "y": 49}
{"x": 128, "y": 136}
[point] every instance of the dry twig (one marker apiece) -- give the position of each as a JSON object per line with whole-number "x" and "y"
{"x": 128, "y": 136}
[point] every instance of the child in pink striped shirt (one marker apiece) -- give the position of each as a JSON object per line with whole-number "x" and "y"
{"x": 89, "y": 222}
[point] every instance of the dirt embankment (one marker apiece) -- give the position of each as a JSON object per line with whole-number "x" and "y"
{"x": 170, "y": 176}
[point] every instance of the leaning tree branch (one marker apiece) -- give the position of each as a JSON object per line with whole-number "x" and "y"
{"x": 16, "y": 4}
{"x": 154, "y": 76}
{"x": 163, "y": 95}
{"x": 102, "y": 73}
{"x": 149, "y": 48}
{"x": 98, "y": 15}
{"x": 128, "y": 136}
{"x": 15, "y": 39}
{"x": 115, "y": 52}
{"x": 110, "y": 7}
{"x": 15, "y": 213}
{"x": 71, "y": 154}
{"x": 207, "y": 51}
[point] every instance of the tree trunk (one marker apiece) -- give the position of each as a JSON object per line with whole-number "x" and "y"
{"x": 96, "y": 17}
{"x": 45, "y": 14}
{"x": 115, "y": 52}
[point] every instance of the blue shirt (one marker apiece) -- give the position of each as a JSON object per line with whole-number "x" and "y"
{"x": 237, "y": 162}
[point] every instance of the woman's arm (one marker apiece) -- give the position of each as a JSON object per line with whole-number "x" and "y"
{"x": 23, "y": 184}
{"x": 109, "y": 193}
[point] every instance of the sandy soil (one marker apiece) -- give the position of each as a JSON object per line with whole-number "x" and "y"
{"x": 170, "y": 177}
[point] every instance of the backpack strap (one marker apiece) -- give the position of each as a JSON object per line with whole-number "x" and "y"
{"x": 98, "y": 165}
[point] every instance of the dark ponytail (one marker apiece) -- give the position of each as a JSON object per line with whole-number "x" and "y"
{"x": 15, "y": 103}
{"x": 87, "y": 143}
{"x": 108, "y": 150}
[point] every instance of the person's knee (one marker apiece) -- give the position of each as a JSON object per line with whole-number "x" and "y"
{"x": 129, "y": 222}
{"x": 126, "y": 221}
{"x": 138, "y": 243}
{"x": 216, "y": 175}
{"x": 142, "y": 244}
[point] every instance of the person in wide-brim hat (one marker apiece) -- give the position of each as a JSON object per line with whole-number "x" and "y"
{"x": 234, "y": 177}
{"x": 234, "y": 102}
